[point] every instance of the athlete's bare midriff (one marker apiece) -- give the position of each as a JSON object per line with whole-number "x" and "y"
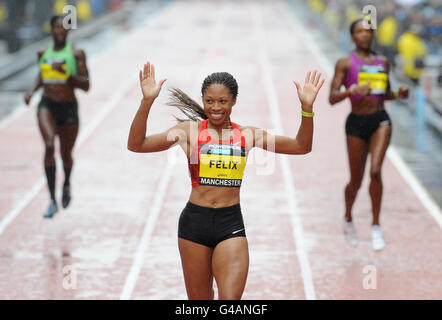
{"x": 214, "y": 197}
{"x": 59, "y": 93}
{"x": 367, "y": 105}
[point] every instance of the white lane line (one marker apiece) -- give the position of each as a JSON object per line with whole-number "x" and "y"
{"x": 420, "y": 191}
{"x": 414, "y": 183}
{"x": 14, "y": 212}
{"x": 295, "y": 219}
{"x": 84, "y": 133}
{"x": 143, "y": 244}
{"x": 18, "y": 111}
{"x": 41, "y": 182}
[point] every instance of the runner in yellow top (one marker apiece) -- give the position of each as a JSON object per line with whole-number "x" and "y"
{"x": 62, "y": 70}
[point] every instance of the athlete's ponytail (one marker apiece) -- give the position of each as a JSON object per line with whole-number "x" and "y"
{"x": 190, "y": 107}
{"x": 186, "y": 105}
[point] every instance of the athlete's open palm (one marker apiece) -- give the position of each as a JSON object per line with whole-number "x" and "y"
{"x": 149, "y": 87}
{"x": 308, "y": 93}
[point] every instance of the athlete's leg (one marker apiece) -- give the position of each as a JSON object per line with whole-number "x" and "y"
{"x": 357, "y": 155}
{"x": 197, "y": 269}
{"x": 230, "y": 265}
{"x": 68, "y": 135}
{"x": 48, "y": 129}
{"x": 378, "y": 146}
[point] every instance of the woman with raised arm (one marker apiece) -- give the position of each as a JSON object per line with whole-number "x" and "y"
{"x": 211, "y": 234}
{"x": 368, "y": 126}
{"x": 62, "y": 70}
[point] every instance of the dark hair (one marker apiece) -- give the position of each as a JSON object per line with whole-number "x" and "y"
{"x": 193, "y": 109}
{"x": 354, "y": 23}
{"x": 224, "y": 78}
{"x": 353, "y": 26}
{"x": 54, "y": 19}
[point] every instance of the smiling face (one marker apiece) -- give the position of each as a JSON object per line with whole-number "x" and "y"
{"x": 218, "y": 102}
{"x": 362, "y": 36}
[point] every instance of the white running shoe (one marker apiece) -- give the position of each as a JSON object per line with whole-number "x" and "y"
{"x": 350, "y": 233}
{"x": 377, "y": 238}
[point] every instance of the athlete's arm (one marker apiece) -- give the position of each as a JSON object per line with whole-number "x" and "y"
{"x": 37, "y": 85}
{"x": 81, "y": 80}
{"x": 341, "y": 69}
{"x": 257, "y": 137}
{"x": 402, "y": 92}
{"x": 302, "y": 144}
{"x": 138, "y": 141}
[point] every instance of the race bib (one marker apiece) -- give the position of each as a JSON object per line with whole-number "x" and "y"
{"x": 222, "y": 165}
{"x": 51, "y": 76}
{"x": 374, "y": 76}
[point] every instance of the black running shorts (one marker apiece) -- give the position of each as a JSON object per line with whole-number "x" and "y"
{"x": 363, "y": 126}
{"x": 65, "y": 113}
{"x": 210, "y": 226}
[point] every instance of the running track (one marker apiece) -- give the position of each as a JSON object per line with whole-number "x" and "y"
{"x": 119, "y": 234}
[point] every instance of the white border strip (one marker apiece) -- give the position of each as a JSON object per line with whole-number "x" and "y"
{"x": 422, "y": 194}
{"x": 392, "y": 154}
{"x": 295, "y": 219}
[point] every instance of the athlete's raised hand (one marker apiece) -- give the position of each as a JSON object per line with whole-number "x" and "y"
{"x": 149, "y": 87}
{"x": 308, "y": 93}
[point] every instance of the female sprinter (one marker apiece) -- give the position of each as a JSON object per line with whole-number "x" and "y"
{"x": 211, "y": 235}
{"x": 368, "y": 126}
{"x": 62, "y": 69}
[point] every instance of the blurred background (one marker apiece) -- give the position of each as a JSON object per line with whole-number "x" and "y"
{"x": 23, "y": 22}
{"x": 408, "y": 33}
{"x": 25, "y": 29}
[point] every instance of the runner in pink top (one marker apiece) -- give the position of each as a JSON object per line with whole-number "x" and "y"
{"x": 368, "y": 126}
{"x": 374, "y": 71}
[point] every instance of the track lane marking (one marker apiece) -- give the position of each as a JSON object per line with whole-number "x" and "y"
{"x": 85, "y": 133}
{"x": 132, "y": 277}
{"x": 295, "y": 219}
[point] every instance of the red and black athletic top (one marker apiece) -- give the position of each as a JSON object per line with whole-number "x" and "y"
{"x": 216, "y": 162}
